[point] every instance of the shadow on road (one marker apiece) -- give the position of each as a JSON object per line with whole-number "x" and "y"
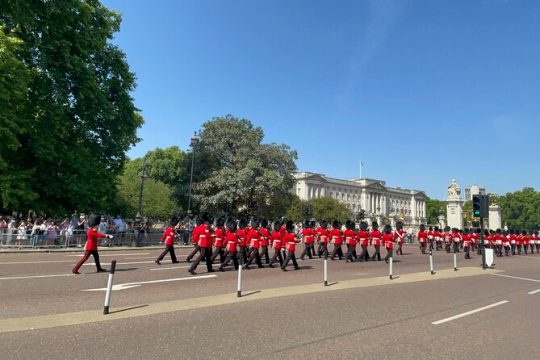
{"x": 127, "y": 269}
{"x": 130, "y": 308}
{"x": 251, "y": 293}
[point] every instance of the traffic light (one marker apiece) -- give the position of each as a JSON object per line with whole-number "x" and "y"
{"x": 476, "y": 205}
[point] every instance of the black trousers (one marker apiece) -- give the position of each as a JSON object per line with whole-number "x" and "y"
{"x": 290, "y": 256}
{"x": 309, "y": 250}
{"x": 264, "y": 254}
{"x": 337, "y": 251}
{"x": 218, "y": 251}
{"x": 206, "y": 253}
{"x": 377, "y": 253}
{"x": 230, "y": 256}
{"x": 364, "y": 255}
{"x": 87, "y": 254}
{"x": 168, "y": 249}
{"x": 467, "y": 252}
{"x": 350, "y": 253}
{"x": 254, "y": 255}
{"x": 456, "y": 247}
{"x": 400, "y": 249}
{"x": 389, "y": 254}
{"x": 243, "y": 252}
{"x": 196, "y": 249}
{"x": 277, "y": 255}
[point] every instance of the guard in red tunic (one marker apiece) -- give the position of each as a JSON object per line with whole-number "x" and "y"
{"x": 91, "y": 246}
{"x": 168, "y": 238}
{"x": 525, "y": 241}
{"x": 466, "y": 243}
{"x": 323, "y": 236}
{"x": 350, "y": 240}
{"x": 290, "y": 241}
{"x": 265, "y": 240}
{"x": 363, "y": 239}
{"x": 219, "y": 240}
{"x": 242, "y": 237}
{"x": 388, "y": 239}
{"x": 513, "y": 241}
{"x": 447, "y": 239}
{"x": 204, "y": 240}
{"x": 456, "y": 239}
{"x": 375, "y": 239}
{"x": 537, "y": 241}
{"x": 253, "y": 239}
{"x": 337, "y": 240}
{"x": 277, "y": 244}
{"x": 399, "y": 237}
{"x": 499, "y": 240}
{"x": 506, "y": 242}
{"x": 231, "y": 243}
{"x": 430, "y": 237}
{"x": 422, "y": 238}
{"x": 438, "y": 237}
{"x": 196, "y": 248}
{"x": 308, "y": 235}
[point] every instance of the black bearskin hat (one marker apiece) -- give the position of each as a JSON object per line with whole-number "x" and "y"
{"x": 289, "y": 226}
{"x": 431, "y": 228}
{"x": 242, "y": 223}
{"x": 220, "y": 222}
{"x": 324, "y": 224}
{"x": 466, "y": 231}
{"x": 207, "y": 218}
{"x": 277, "y": 225}
{"x": 447, "y": 228}
{"x": 399, "y": 225}
{"x": 307, "y": 224}
{"x": 335, "y": 224}
{"x": 94, "y": 220}
{"x": 232, "y": 225}
{"x": 423, "y": 227}
{"x": 264, "y": 223}
{"x": 349, "y": 224}
{"x": 498, "y": 231}
{"x": 173, "y": 221}
{"x": 387, "y": 229}
{"x": 436, "y": 228}
{"x": 363, "y": 225}
{"x": 374, "y": 225}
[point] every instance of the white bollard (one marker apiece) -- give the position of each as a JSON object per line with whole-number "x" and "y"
{"x": 325, "y": 275}
{"x": 109, "y": 289}
{"x": 431, "y": 263}
{"x": 391, "y": 272}
{"x": 239, "y": 287}
{"x": 455, "y": 261}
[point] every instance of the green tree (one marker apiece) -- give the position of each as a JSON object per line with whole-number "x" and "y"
{"x": 324, "y": 208}
{"x": 157, "y": 197}
{"x": 236, "y": 173}
{"x": 81, "y": 117}
{"x": 521, "y": 209}
{"x": 433, "y": 209}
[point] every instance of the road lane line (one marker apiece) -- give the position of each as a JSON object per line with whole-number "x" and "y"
{"x": 103, "y": 255}
{"x": 34, "y": 276}
{"x": 533, "y": 292}
{"x": 438, "y": 322}
{"x": 135, "y": 284}
{"x": 169, "y": 268}
{"x": 516, "y": 277}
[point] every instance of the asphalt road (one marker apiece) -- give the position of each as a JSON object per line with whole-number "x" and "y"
{"x": 164, "y": 312}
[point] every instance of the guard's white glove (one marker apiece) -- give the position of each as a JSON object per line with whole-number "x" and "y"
{"x": 110, "y": 236}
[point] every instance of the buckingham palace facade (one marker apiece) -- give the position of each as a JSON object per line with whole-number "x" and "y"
{"x": 382, "y": 203}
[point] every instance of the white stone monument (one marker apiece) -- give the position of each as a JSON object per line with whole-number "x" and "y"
{"x": 494, "y": 217}
{"x": 454, "y": 205}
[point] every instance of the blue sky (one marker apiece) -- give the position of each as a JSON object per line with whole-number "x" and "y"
{"x": 421, "y": 91}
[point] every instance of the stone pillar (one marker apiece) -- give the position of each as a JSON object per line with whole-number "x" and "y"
{"x": 494, "y": 217}
{"x": 454, "y": 204}
{"x": 413, "y": 211}
{"x": 442, "y": 222}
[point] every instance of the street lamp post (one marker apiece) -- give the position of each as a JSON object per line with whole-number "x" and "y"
{"x": 194, "y": 142}
{"x": 138, "y": 217}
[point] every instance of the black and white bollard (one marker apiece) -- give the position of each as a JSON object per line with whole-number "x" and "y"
{"x": 325, "y": 274}
{"x": 391, "y": 268}
{"x": 239, "y": 287}
{"x": 455, "y": 261}
{"x": 431, "y": 262}
{"x": 109, "y": 289}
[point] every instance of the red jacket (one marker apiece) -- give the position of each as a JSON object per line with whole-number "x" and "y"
{"x": 375, "y": 238}
{"x": 388, "y": 241}
{"x": 349, "y": 237}
{"x": 253, "y": 238}
{"x": 203, "y": 236}
{"x": 398, "y": 236}
{"x": 422, "y": 236}
{"x": 242, "y": 237}
{"x": 168, "y": 236}
{"x": 219, "y": 237}
{"x": 91, "y": 239}
{"x": 265, "y": 236}
{"x": 231, "y": 240}
{"x": 323, "y": 235}
{"x": 277, "y": 240}
{"x": 363, "y": 238}
{"x": 290, "y": 240}
{"x": 308, "y": 235}
{"x": 335, "y": 235}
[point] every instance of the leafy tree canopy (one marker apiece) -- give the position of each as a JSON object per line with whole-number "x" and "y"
{"x": 324, "y": 208}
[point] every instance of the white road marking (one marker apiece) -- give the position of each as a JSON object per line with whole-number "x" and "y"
{"x": 103, "y": 255}
{"x": 122, "y": 263}
{"x": 516, "y": 277}
{"x": 169, "y": 268}
{"x": 533, "y": 292}
{"x": 34, "y": 276}
{"x": 468, "y": 313}
{"x": 35, "y": 262}
{"x": 135, "y": 284}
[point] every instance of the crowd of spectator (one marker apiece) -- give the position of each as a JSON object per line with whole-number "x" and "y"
{"x": 69, "y": 231}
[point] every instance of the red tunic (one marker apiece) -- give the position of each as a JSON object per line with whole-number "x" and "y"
{"x": 388, "y": 241}
{"x": 422, "y": 236}
{"x": 398, "y": 236}
{"x": 363, "y": 238}
{"x": 253, "y": 238}
{"x": 349, "y": 237}
{"x": 335, "y": 235}
{"x": 277, "y": 240}
{"x": 290, "y": 240}
{"x": 323, "y": 235}
{"x": 168, "y": 236}
{"x": 466, "y": 240}
{"x": 91, "y": 239}
{"x": 308, "y": 235}
{"x": 204, "y": 236}
{"x": 232, "y": 241}
{"x": 265, "y": 236}
{"x": 375, "y": 238}
{"x": 242, "y": 238}
{"x": 219, "y": 237}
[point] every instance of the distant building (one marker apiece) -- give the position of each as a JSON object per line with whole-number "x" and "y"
{"x": 380, "y": 202}
{"x": 474, "y": 190}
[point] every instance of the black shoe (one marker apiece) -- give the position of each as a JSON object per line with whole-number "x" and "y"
{"x": 211, "y": 270}
{"x": 175, "y": 262}
{"x": 192, "y": 272}
{"x": 188, "y": 260}
{"x": 283, "y": 269}
{"x": 260, "y": 266}
{"x": 76, "y": 272}
{"x": 157, "y": 262}
{"x": 221, "y": 269}
{"x": 102, "y": 270}
{"x": 297, "y": 268}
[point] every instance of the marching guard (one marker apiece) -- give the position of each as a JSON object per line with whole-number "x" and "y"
{"x": 277, "y": 244}
{"x": 388, "y": 239}
{"x": 253, "y": 239}
{"x": 219, "y": 240}
{"x": 168, "y": 238}
{"x": 337, "y": 240}
{"x": 203, "y": 235}
{"x": 290, "y": 241}
{"x": 363, "y": 239}
{"x": 323, "y": 236}
{"x": 231, "y": 241}
{"x": 375, "y": 240}
{"x": 399, "y": 237}
{"x": 265, "y": 240}
{"x": 350, "y": 241}
{"x": 422, "y": 238}
{"x": 308, "y": 236}
{"x": 91, "y": 246}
